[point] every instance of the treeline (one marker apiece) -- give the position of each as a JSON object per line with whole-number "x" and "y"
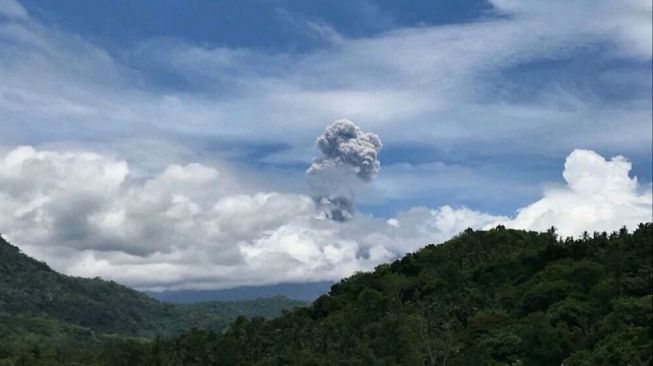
{"x": 32, "y": 293}
{"x": 52, "y": 319}
{"x": 35, "y": 340}
{"x": 497, "y": 297}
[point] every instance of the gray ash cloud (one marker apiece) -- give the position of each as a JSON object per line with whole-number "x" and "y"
{"x": 350, "y": 157}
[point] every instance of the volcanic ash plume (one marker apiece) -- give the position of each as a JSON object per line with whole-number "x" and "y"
{"x": 350, "y": 158}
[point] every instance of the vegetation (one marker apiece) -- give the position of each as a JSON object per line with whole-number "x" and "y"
{"x": 497, "y": 297}
{"x": 41, "y": 309}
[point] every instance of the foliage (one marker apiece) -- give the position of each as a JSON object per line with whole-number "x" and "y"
{"x": 51, "y": 315}
{"x": 497, "y": 297}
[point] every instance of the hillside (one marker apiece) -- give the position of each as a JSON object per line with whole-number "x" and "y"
{"x": 497, "y": 297}
{"x": 36, "y": 301}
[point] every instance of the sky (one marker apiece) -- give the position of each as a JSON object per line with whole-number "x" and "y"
{"x": 176, "y": 145}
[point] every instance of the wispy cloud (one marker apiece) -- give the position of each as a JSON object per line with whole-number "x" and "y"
{"x": 437, "y": 80}
{"x": 150, "y": 208}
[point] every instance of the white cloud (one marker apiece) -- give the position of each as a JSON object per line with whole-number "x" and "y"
{"x": 12, "y": 9}
{"x": 441, "y": 81}
{"x": 86, "y": 215}
{"x": 626, "y": 23}
{"x": 599, "y": 196}
{"x": 199, "y": 225}
{"x": 83, "y": 213}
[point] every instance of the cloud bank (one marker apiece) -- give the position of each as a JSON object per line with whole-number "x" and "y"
{"x": 472, "y": 90}
{"x": 85, "y": 214}
{"x": 599, "y": 195}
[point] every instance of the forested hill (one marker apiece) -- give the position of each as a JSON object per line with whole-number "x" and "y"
{"x": 497, "y": 297}
{"x": 34, "y": 299}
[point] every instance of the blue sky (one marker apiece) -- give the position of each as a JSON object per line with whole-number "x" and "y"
{"x": 272, "y": 26}
{"x": 478, "y": 103}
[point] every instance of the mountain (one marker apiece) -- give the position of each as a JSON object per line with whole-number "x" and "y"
{"x": 497, "y": 297}
{"x": 37, "y": 301}
{"x": 308, "y": 291}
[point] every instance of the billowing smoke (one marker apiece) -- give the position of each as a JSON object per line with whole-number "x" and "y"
{"x": 350, "y": 158}
{"x": 345, "y": 145}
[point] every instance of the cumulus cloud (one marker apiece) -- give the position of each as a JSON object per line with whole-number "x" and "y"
{"x": 51, "y": 194}
{"x": 599, "y": 196}
{"x": 349, "y": 156}
{"x": 180, "y": 226}
{"x": 86, "y": 214}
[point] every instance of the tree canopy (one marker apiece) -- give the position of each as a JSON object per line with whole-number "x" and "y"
{"x": 496, "y": 297}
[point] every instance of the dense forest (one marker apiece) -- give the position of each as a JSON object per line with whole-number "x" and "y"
{"x": 496, "y": 297}
{"x": 45, "y": 312}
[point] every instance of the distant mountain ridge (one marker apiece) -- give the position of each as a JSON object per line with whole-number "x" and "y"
{"x": 33, "y": 292}
{"x": 307, "y": 291}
